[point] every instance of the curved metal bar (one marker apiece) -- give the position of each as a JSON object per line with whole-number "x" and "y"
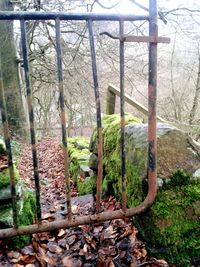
{"x": 50, "y": 226}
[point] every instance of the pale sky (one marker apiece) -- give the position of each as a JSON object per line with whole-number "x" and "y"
{"x": 125, "y": 6}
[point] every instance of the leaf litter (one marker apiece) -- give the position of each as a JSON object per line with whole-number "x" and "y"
{"x": 107, "y": 244}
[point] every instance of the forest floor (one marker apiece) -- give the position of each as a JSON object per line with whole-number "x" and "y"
{"x": 108, "y": 244}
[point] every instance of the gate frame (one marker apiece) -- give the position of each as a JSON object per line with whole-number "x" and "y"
{"x": 152, "y": 39}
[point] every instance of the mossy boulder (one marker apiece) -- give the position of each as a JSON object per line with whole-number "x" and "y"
{"x": 79, "y": 155}
{"x": 170, "y": 227}
{"x": 25, "y": 203}
{"x": 26, "y": 210}
{"x": 166, "y": 224}
{"x": 5, "y": 177}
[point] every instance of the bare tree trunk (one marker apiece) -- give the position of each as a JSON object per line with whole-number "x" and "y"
{"x": 16, "y": 115}
{"x": 196, "y": 97}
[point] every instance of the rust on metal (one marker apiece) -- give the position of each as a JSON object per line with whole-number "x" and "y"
{"x": 63, "y": 118}
{"x": 122, "y": 113}
{"x": 98, "y": 116}
{"x": 138, "y": 39}
{"x": 8, "y": 149}
{"x": 76, "y": 221}
{"x": 152, "y": 39}
{"x": 146, "y": 39}
{"x": 152, "y": 98}
{"x": 31, "y": 118}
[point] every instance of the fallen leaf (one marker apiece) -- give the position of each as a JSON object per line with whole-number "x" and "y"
{"x": 71, "y": 262}
{"x": 71, "y": 240}
{"x": 61, "y": 233}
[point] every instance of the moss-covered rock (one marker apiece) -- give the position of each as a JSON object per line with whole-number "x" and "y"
{"x": 171, "y": 227}
{"x": 79, "y": 155}
{"x": 5, "y": 177}
{"x": 26, "y": 210}
{"x": 172, "y": 222}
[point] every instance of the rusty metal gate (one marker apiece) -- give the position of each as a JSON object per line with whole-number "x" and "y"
{"x": 152, "y": 39}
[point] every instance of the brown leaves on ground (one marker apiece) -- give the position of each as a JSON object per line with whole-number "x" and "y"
{"x": 108, "y": 244}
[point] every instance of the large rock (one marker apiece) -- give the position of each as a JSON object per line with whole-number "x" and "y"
{"x": 5, "y": 193}
{"x": 174, "y": 149}
{"x": 171, "y": 226}
{"x": 25, "y": 202}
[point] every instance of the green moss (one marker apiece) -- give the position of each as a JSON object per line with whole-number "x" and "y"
{"x": 179, "y": 177}
{"x": 26, "y": 216}
{"x": 79, "y": 156}
{"x": 112, "y": 162}
{"x": 5, "y": 177}
{"x": 171, "y": 226}
{"x": 79, "y": 142}
{"x": 88, "y": 186}
{"x": 171, "y": 221}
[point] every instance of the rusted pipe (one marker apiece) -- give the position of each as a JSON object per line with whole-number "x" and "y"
{"x": 37, "y": 15}
{"x": 122, "y": 113}
{"x": 152, "y": 97}
{"x": 63, "y": 118}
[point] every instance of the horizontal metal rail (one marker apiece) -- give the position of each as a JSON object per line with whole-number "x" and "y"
{"x": 50, "y": 226}
{"x": 37, "y": 15}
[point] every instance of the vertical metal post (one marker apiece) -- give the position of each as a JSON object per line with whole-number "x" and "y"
{"x": 8, "y": 149}
{"x": 123, "y": 159}
{"x": 63, "y": 119}
{"x": 98, "y": 115}
{"x": 152, "y": 97}
{"x": 31, "y": 118}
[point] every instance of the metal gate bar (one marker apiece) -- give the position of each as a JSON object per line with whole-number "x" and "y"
{"x": 123, "y": 159}
{"x": 107, "y": 215}
{"x": 98, "y": 116}
{"x": 37, "y": 15}
{"x": 31, "y": 117}
{"x": 63, "y": 119}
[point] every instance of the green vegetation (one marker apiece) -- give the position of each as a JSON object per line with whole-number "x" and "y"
{"x": 173, "y": 222}
{"x": 111, "y": 159}
{"x": 26, "y": 217}
{"x": 5, "y": 177}
{"x": 171, "y": 226}
{"x": 25, "y": 205}
{"x": 79, "y": 156}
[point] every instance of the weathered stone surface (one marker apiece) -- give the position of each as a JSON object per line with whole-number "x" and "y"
{"x": 174, "y": 150}
{"x": 85, "y": 171}
{"x": 5, "y": 193}
{"x": 93, "y": 162}
{"x": 25, "y": 210}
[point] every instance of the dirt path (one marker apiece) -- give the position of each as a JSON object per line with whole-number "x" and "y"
{"x": 108, "y": 244}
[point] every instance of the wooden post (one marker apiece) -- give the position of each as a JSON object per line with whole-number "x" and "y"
{"x": 110, "y": 102}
